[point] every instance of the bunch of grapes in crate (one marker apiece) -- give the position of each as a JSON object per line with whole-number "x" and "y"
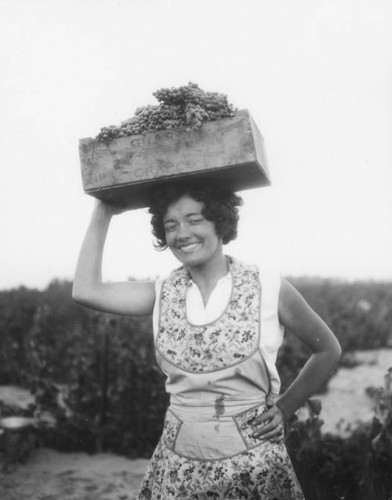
{"x": 186, "y": 106}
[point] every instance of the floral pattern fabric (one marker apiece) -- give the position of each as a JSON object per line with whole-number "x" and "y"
{"x": 171, "y": 429}
{"x": 232, "y": 338}
{"x": 244, "y": 424}
{"x": 265, "y": 472}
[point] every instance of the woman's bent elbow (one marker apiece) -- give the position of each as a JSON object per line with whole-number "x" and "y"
{"x": 80, "y": 295}
{"x": 338, "y": 352}
{"x": 76, "y": 296}
{"x": 335, "y": 353}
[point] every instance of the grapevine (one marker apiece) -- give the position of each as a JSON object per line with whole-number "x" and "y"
{"x": 188, "y": 106}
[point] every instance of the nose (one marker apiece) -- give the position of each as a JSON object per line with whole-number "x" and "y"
{"x": 183, "y": 232}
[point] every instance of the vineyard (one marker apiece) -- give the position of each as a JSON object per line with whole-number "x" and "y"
{"x": 96, "y": 376}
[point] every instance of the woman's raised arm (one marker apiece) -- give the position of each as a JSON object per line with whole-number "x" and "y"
{"x": 127, "y": 297}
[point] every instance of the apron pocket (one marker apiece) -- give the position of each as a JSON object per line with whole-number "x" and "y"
{"x": 244, "y": 426}
{"x": 171, "y": 428}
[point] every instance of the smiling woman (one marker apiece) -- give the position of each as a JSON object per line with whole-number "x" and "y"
{"x": 217, "y": 325}
{"x": 189, "y": 235}
{"x": 195, "y": 221}
{"x": 219, "y": 206}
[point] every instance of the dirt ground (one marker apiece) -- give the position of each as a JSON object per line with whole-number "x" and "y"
{"x": 50, "y": 475}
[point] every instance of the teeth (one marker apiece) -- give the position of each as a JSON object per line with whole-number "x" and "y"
{"x": 190, "y": 246}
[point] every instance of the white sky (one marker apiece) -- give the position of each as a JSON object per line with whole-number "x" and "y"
{"x": 316, "y": 76}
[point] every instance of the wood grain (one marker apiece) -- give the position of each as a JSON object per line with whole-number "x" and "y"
{"x": 230, "y": 151}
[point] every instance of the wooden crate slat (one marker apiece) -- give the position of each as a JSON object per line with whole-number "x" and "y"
{"x": 230, "y": 150}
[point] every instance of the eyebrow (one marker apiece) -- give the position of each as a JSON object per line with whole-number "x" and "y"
{"x": 191, "y": 214}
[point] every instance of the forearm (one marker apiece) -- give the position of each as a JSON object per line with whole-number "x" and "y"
{"x": 310, "y": 379}
{"x": 298, "y": 317}
{"x": 88, "y": 274}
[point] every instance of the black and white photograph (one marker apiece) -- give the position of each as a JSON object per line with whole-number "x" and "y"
{"x": 196, "y": 248}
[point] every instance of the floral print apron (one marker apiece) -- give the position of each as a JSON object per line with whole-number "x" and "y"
{"x": 218, "y": 381}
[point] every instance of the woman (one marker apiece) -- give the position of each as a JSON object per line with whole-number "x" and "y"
{"x": 217, "y": 328}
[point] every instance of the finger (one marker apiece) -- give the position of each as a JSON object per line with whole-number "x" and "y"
{"x": 277, "y": 439}
{"x": 270, "y": 401}
{"x": 265, "y": 433}
{"x": 276, "y": 433}
{"x": 272, "y": 412}
{"x": 267, "y": 418}
{"x": 269, "y": 429}
{"x": 263, "y": 429}
{"x": 264, "y": 417}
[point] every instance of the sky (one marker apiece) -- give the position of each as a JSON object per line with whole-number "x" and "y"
{"x": 316, "y": 76}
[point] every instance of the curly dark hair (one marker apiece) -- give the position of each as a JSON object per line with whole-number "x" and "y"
{"x": 220, "y": 207}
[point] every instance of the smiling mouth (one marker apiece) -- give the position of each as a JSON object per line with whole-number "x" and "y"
{"x": 189, "y": 247}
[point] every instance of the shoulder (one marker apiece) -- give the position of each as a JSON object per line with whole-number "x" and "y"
{"x": 292, "y": 305}
{"x": 270, "y": 276}
{"x": 240, "y": 266}
{"x": 176, "y": 276}
{"x": 289, "y": 295}
{"x": 269, "y": 279}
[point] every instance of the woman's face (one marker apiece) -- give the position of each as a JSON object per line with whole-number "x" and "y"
{"x": 189, "y": 235}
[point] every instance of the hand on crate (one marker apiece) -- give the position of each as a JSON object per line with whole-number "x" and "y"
{"x": 111, "y": 208}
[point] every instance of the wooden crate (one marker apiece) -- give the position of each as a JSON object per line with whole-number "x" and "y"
{"x": 229, "y": 151}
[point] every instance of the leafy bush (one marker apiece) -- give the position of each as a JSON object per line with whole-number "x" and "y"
{"x": 356, "y": 468}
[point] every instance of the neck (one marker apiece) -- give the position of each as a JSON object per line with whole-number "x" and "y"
{"x": 207, "y": 275}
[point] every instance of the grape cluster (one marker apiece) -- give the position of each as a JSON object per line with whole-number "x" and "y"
{"x": 183, "y": 106}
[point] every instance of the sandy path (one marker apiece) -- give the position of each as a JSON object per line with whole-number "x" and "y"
{"x": 49, "y": 475}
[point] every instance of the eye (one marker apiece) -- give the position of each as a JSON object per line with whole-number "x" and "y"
{"x": 170, "y": 227}
{"x": 195, "y": 220}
